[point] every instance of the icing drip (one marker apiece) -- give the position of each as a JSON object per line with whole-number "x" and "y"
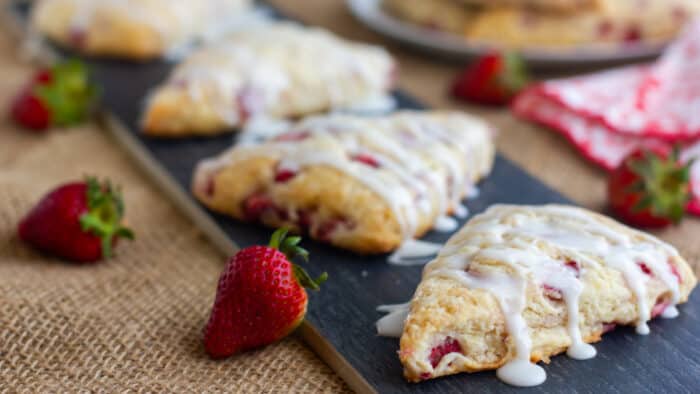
{"x": 522, "y": 373}
{"x": 375, "y": 105}
{"x": 446, "y": 224}
{"x": 392, "y": 324}
{"x": 461, "y": 211}
{"x": 260, "y": 128}
{"x": 551, "y": 247}
{"x": 414, "y": 252}
{"x": 510, "y": 293}
{"x": 472, "y": 192}
{"x": 670, "y": 312}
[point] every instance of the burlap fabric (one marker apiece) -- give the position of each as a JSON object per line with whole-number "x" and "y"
{"x": 133, "y": 324}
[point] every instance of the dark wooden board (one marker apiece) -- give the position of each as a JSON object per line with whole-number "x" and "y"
{"x": 344, "y": 313}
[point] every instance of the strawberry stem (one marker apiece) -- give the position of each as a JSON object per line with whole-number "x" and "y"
{"x": 515, "y": 76}
{"x": 290, "y": 247}
{"x": 305, "y": 279}
{"x": 663, "y": 184}
{"x": 70, "y": 95}
{"x": 104, "y": 215}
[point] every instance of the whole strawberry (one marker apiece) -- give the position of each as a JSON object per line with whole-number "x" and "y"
{"x": 651, "y": 188}
{"x": 79, "y": 221}
{"x": 260, "y": 297}
{"x": 58, "y": 96}
{"x": 493, "y": 79}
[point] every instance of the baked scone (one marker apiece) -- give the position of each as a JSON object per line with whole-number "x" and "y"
{"x": 278, "y": 70}
{"x": 523, "y": 283}
{"x": 134, "y": 29}
{"x": 606, "y": 23}
{"x": 366, "y": 184}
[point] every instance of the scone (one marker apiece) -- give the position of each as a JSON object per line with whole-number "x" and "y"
{"x": 134, "y": 29}
{"x": 363, "y": 184}
{"x": 279, "y": 70}
{"x": 523, "y": 283}
{"x": 607, "y": 22}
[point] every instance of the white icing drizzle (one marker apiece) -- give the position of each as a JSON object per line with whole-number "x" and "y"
{"x": 270, "y": 66}
{"x": 522, "y": 373}
{"x": 472, "y": 192}
{"x": 461, "y": 211}
{"x": 228, "y": 73}
{"x": 414, "y": 252}
{"x": 446, "y": 224}
{"x": 671, "y": 312}
{"x": 374, "y": 105}
{"x": 392, "y": 324}
{"x": 420, "y": 174}
{"x": 261, "y": 128}
{"x": 538, "y": 244}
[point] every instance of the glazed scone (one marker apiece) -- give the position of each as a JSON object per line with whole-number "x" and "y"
{"x": 359, "y": 183}
{"x": 134, "y": 29}
{"x": 523, "y": 283}
{"x": 609, "y": 22}
{"x": 278, "y": 70}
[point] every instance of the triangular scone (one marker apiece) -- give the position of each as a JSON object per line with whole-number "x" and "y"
{"x": 135, "y": 29}
{"x": 276, "y": 70}
{"x": 362, "y": 183}
{"x": 500, "y": 292}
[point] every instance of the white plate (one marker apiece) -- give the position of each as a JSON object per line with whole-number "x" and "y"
{"x": 452, "y": 46}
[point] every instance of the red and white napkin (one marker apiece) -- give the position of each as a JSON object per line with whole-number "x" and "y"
{"x": 608, "y": 115}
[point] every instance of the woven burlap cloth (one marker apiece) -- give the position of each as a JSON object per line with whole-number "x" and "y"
{"x": 134, "y": 323}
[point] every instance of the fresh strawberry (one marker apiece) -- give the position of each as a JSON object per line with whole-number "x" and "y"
{"x": 58, "y": 96}
{"x": 650, "y": 188}
{"x": 494, "y": 79}
{"x": 31, "y": 111}
{"x": 260, "y": 297}
{"x": 78, "y": 221}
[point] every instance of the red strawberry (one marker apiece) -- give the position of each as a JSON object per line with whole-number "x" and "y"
{"x": 78, "y": 221}
{"x": 492, "y": 80}
{"x": 61, "y": 95}
{"x": 260, "y": 297}
{"x": 650, "y": 188}
{"x": 30, "y": 111}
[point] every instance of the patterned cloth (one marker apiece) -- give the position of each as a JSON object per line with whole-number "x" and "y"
{"x": 608, "y": 115}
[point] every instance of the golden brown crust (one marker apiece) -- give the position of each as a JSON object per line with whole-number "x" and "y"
{"x": 324, "y": 191}
{"x": 326, "y": 201}
{"x": 443, "y": 307}
{"x": 269, "y": 71}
